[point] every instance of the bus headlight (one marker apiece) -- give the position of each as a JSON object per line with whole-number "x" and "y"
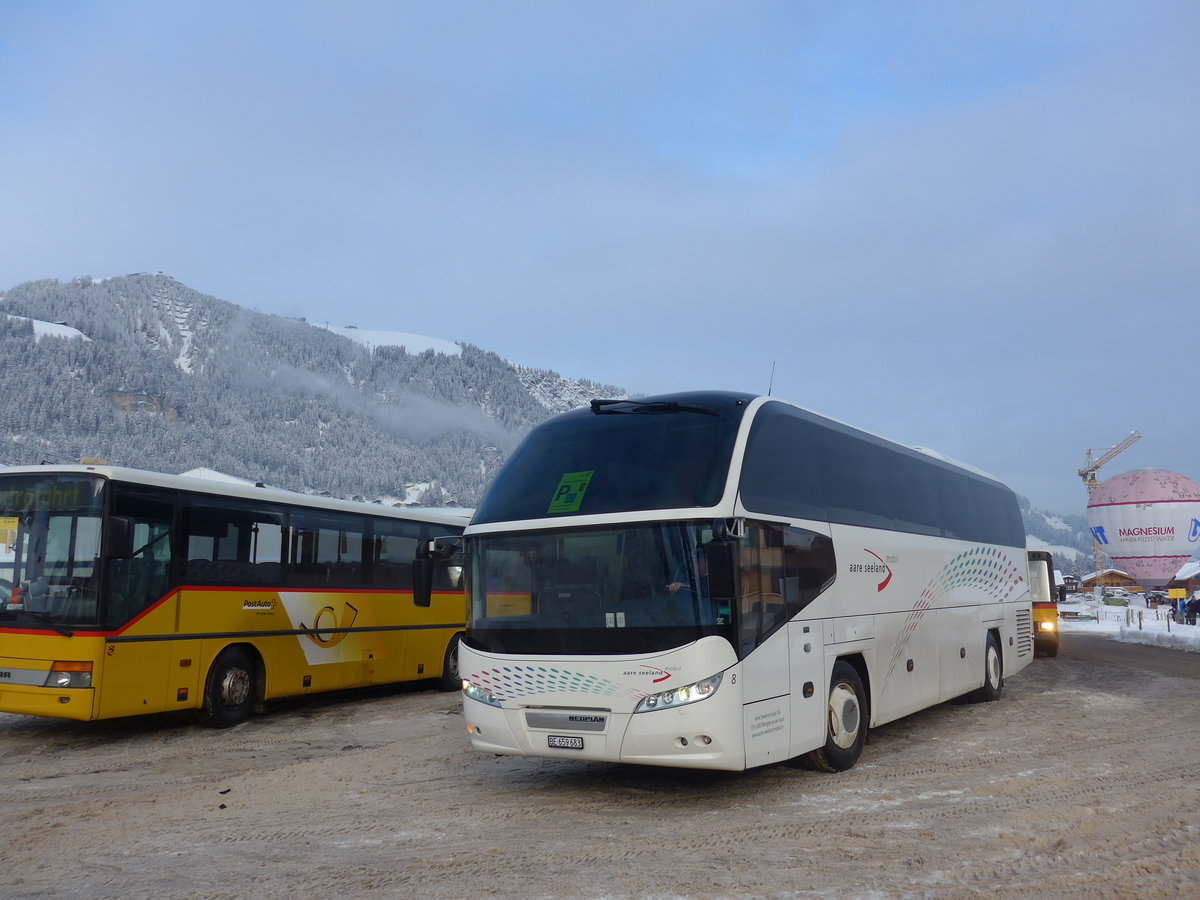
{"x": 480, "y": 693}
{"x": 1046, "y": 626}
{"x": 681, "y": 696}
{"x": 66, "y": 674}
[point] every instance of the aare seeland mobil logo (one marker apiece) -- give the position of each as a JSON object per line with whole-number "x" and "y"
{"x": 659, "y": 675}
{"x": 881, "y": 567}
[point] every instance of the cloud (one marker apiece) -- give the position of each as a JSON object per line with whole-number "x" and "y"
{"x": 409, "y": 416}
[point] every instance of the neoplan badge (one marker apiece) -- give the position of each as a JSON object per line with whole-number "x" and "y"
{"x": 568, "y": 496}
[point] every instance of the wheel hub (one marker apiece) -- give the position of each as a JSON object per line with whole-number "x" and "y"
{"x": 235, "y": 687}
{"x": 844, "y": 716}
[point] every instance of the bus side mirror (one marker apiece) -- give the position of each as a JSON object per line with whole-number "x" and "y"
{"x": 433, "y": 556}
{"x": 722, "y": 556}
{"x": 423, "y": 571}
{"x": 118, "y": 537}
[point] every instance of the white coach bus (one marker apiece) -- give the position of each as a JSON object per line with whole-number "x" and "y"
{"x": 717, "y": 580}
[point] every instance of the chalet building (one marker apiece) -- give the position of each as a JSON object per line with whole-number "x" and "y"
{"x": 1109, "y": 578}
{"x": 1187, "y": 578}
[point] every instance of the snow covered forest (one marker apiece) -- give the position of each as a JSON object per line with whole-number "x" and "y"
{"x": 143, "y": 371}
{"x": 152, "y": 374}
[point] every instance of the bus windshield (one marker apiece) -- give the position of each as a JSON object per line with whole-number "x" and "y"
{"x": 632, "y": 589}
{"x": 1041, "y": 580}
{"x": 618, "y": 456}
{"x": 50, "y": 527}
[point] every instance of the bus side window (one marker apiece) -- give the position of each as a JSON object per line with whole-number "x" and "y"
{"x": 809, "y": 567}
{"x": 761, "y": 569}
{"x": 393, "y": 549}
{"x": 327, "y": 550}
{"x": 231, "y": 542}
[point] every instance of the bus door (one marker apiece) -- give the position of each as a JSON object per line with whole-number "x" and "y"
{"x": 806, "y": 656}
{"x": 782, "y": 571}
{"x": 135, "y": 668}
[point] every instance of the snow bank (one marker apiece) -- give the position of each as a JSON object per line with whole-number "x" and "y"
{"x": 1133, "y": 625}
{"x": 412, "y": 343}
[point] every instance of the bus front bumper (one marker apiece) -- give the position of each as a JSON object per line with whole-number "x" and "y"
{"x": 706, "y": 735}
{"x": 52, "y": 703}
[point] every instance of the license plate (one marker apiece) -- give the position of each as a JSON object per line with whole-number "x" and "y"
{"x": 564, "y": 742}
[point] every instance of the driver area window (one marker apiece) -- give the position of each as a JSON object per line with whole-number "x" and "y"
{"x": 781, "y": 570}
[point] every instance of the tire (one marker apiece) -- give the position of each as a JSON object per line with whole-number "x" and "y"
{"x": 230, "y": 691}
{"x": 993, "y": 672}
{"x": 846, "y": 716}
{"x": 451, "y": 679}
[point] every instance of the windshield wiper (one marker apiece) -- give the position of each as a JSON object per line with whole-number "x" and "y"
{"x": 46, "y": 620}
{"x": 605, "y": 408}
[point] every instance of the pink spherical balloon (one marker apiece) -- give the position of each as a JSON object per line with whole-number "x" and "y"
{"x": 1148, "y": 522}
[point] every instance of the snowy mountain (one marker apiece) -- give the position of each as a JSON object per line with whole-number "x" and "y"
{"x": 1066, "y": 537}
{"x": 143, "y": 371}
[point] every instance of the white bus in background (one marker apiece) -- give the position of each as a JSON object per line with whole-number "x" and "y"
{"x": 719, "y": 580}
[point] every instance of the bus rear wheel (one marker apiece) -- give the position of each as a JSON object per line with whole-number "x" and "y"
{"x": 847, "y": 722}
{"x": 230, "y": 691}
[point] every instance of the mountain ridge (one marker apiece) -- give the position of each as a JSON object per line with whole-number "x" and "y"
{"x": 143, "y": 371}
{"x": 171, "y": 379}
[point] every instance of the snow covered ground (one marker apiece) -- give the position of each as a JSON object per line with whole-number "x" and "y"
{"x": 52, "y": 329}
{"x": 1134, "y": 624}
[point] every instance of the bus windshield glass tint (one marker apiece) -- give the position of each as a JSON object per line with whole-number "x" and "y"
{"x": 618, "y": 457}
{"x": 50, "y": 530}
{"x": 630, "y": 589}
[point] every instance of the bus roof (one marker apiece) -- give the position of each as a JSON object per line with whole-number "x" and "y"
{"x": 456, "y": 517}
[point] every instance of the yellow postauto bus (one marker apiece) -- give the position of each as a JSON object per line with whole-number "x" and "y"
{"x": 1045, "y": 605}
{"x": 125, "y": 592}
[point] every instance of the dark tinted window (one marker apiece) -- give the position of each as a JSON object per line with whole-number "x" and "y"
{"x": 801, "y": 465}
{"x": 856, "y": 488}
{"x": 999, "y": 516}
{"x": 809, "y": 567}
{"x": 620, "y": 589}
{"x": 393, "y": 549}
{"x": 781, "y": 571}
{"x": 646, "y": 454}
{"x": 233, "y": 542}
{"x": 779, "y": 474}
{"x": 326, "y": 549}
{"x": 915, "y": 502}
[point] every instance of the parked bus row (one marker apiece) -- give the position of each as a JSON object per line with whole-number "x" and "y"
{"x": 709, "y": 579}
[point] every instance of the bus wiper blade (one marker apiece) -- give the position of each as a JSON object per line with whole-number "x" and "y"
{"x": 46, "y": 620}
{"x": 605, "y": 408}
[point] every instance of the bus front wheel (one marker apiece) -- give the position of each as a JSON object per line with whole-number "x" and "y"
{"x": 993, "y": 672}
{"x": 451, "y": 679}
{"x": 846, "y": 719}
{"x": 230, "y": 691}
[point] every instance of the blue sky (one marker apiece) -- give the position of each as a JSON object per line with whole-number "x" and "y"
{"x": 969, "y": 226}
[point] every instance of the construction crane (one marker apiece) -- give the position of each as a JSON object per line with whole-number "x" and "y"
{"x": 1088, "y": 474}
